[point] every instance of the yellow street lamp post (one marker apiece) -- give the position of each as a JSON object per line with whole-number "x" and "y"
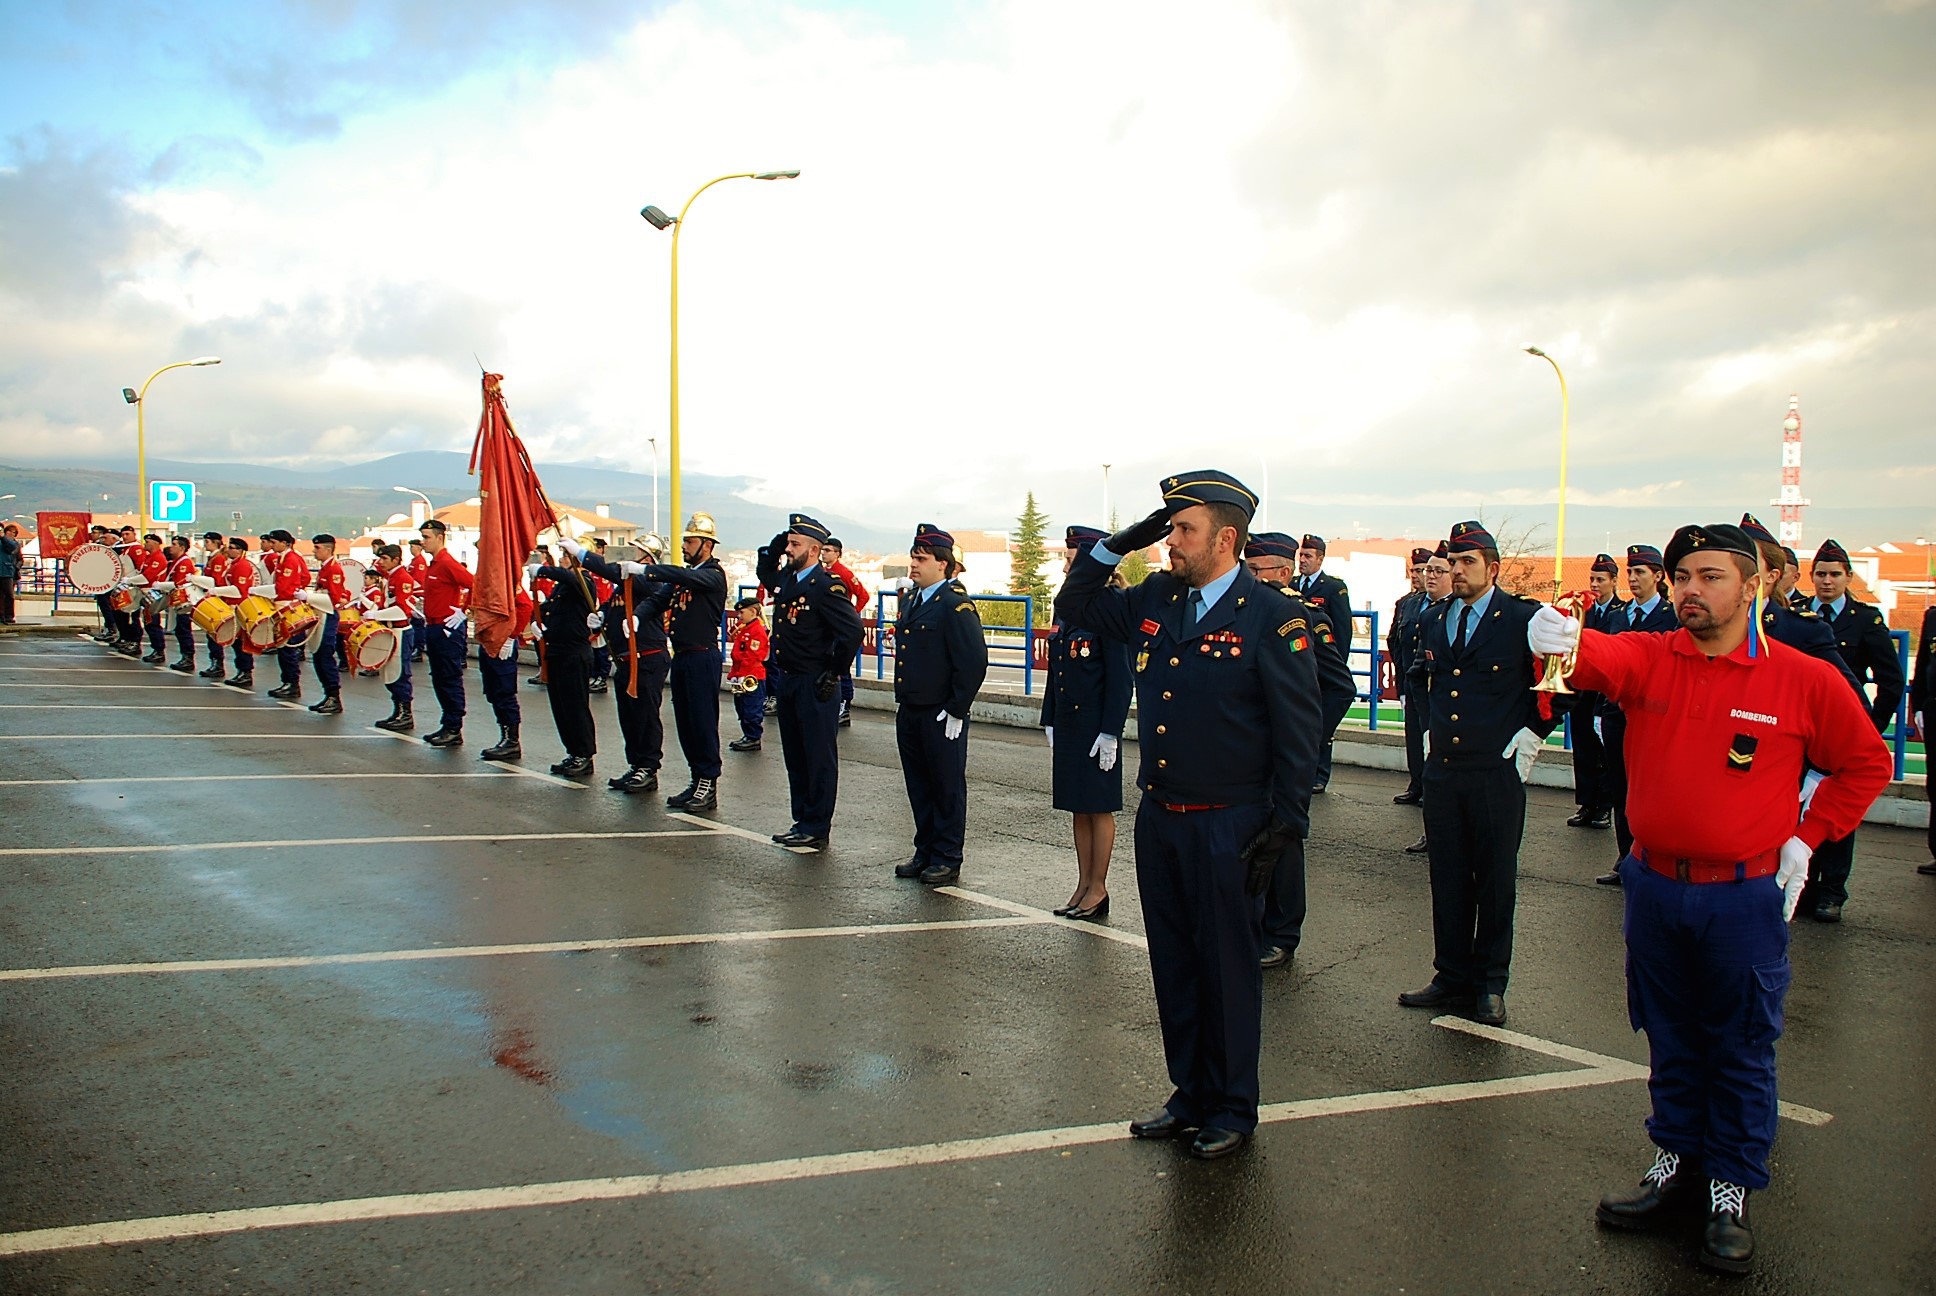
{"x": 138, "y": 399}
{"x": 660, "y": 220}
{"x": 1559, "y": 542}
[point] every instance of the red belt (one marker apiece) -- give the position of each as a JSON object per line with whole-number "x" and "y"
{"x": 1693, "y": 870}
{"x": 1189, "y": 809}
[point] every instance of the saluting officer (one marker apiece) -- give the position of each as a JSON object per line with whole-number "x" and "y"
{"x": 1484, "y": 730}
{"x": 940, "y": 661}
{"x": 1589, "y": 749}
{"x": 1401, "y": 642}
{"x": 1649, "y": 611}
{"x": 1862, "y": 635}
{"x": 692, "y": 623}
{"x": 1270, "y": 556}
{"x": 1230, "y": 720}
{"x": 816, "y": 631}
{"x": 634, "y": 624}
{"x": 1327, "y": 594}
{"x": 1717, "y": 867}
{"x": 1086, "y": 698}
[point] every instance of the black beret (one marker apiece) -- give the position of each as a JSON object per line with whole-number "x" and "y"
{"x": 1720, "y": 537}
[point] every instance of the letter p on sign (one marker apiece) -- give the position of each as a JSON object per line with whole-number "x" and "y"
{"x": 171, "y": 503}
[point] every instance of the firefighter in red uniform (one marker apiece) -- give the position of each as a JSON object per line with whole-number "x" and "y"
{"x": 175, "y": 584}
{"x": 1721, "y": 722}
{"x": 446, "y": 589}
{"x": 241, "y": 577}
{"x": 419, "y": 568}
{"x": 748, "y": 674}
{"x": 331, "y": 595}
{"x": 289, "y": 574}
{"x": 400, "y": 591}
{"x": 153, "y": 565}
{"x": 215, "y": 571}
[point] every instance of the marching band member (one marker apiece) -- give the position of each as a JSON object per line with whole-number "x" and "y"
{"x": 749, "y": 664}
{"x": 215, "y": 570}
{"x": 419, "y": 568}
{"x": 241, "y": 575}
{"x": 181, "y": 570}
{"x": 400, "y": 591}
{"x": 153, "y": 564}
{"x": 446, "y": 588}
{"x": 329, "y": 597}
{"x": 288, "y": 574}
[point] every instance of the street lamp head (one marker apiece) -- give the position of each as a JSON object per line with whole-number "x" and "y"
{"x": 777, "y": 175}
{"x": 1530, "y": 349}
{"x": 127, "y": 394}
{"x": 206, "y": 360}
{"x": 658, "y": 218}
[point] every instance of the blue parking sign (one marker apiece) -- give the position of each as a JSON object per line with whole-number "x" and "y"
{"x": 171, "y": 503}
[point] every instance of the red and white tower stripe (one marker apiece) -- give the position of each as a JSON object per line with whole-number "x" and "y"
{"x": 1791, "y": 501}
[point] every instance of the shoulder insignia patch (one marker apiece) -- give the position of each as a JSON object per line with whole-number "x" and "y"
{"x": 964, "y": 606}
{"x": 837, "y": 588}
{"x": 1295, "y": 623}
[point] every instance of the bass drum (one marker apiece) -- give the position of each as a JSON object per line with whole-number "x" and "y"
{"x": 125, "y": 566}
{"x": 353, "y": 573}
{"x": 257, "y": 617}
{"x": 91, "y": 569}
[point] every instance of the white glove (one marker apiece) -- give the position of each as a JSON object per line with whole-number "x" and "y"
{"x": 262, "y": 591}
{"x": 1048, "y": 732}
{"x": 537, "y": 632}
{"x": 163, "y": 587}
{"x": 135, "y": 582}
{"x": 509, "y": 651}
{"x": 455, "y": 621}
{"x": 530, "y": 572}
{"x": 1792, "y": 875}
{"x": 320, "y": 601}
{"x": 228, "y": 592}
{"x": 1104, "y": 750}
{"x": 572, "y": 547}
{"x": 1810, "y": 781}
{"x": 901, "y": 584}
{"x": 1428, "y": 744}
{"x": 1600, "y": 727}
{"x": 1523, "y": 750}
{"x": 950, "y": 727}
{"x": 596, "y": 621}
{"x": 1552, "y": 632}
{"x": 201, "y": 582}
{"x": 1919, "y": 723}
{"x": 632, "y": 568}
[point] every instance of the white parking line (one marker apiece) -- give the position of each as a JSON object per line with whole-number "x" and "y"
{"x": 156, "y": 848}
{"x": 108, "y": 706}
{"x": 487, "y": 771}
{"x": 496, "y": 951}
{"x": 1094, "y": 929}
{"x": 791, "y": 1170}
{"x": 143, "y": 737}
{"x": 76, "y": 670}
{"x": 733, "y": 830}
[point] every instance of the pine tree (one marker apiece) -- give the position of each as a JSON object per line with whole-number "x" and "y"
{"x": 1025, "y": 558}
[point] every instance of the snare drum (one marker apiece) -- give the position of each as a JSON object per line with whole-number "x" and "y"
{"x": 348, "y": 617}
{"x": 371, "y": 645}
{"x": 91, "y": 569}
{"x": 256, "y": 617}
{"x": 216, "y": 619}
{"x": 295, "y": 619}
{"x": 121, "y": 599}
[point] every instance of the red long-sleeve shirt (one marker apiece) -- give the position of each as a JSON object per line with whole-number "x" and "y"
{"x": 401, "y": 588}
{"x": 1702, "y": 732}
{"x": 445, "y": 583}
{"x": 240, "y": 573}
{"x": 289, "y": 572}
{"x": 179, "y": 572}
{"x": 331, "y": 581}
{"x": 749, "y": 649}
{"x": 852, "y": 582}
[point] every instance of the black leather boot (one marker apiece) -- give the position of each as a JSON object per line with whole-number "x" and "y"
{"x": 705, "y": 795}
{"x": 399, "y": 720}
{"x": 1727, "y": 1245}
{"x": 330, "y": 705}
{"x": 1662, "y": 1189}
{"x": 680, "y": 800}
{"x": 507, "y": 748}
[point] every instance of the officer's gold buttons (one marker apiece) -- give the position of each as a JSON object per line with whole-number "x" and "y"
{"x": 1162, "y": 764}
{"x": 1455, "y": 738}
{"x": 1455, "y": 716}
{"x": 1455, "y": 670}
{"x": 1455, "y": 692}
{"x": 1173, "y": 661}
{"x": 1167, "y": 695}
{"x": 1162, "y": 729}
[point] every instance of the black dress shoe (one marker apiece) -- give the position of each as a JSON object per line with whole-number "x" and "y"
{"x": 241, "y": 682}
{"x": 1418, "y": 847}
{"x": 743, "y": 745}
{"x": 1094, "y": 913}
{"x": 1435, "y": 996}
{"x": 1317, "y": 789}
{"x": 282, "y": 692}
{"x": 915, "y": 867}
{"x": 1212, "y": 1142}
{"x": 1489, "y": 1010}
{"x": 184, "y": 666}
{"x": 213, "y": 672}
{"x": 154, "y": 658}
{"x": 1159, "y": 1124}
{"x": 330, "y": 705}
{"x": 1610, "y": 879}
{"x": 1663, "y": 1188}
{"x": 599, "y": 686}
{"x": 1927, "y": 870}
{"x": 1827, "y": 911}
{"x": 1600, "y": 819}
{"x": 1275, "y": 956}
{"x": 1408, "y": 798}
{"x": 446, "y": 738}
{"x": 636, "y": 779}
{"x": 1726, "y": 1244}
{"x": 802, "y": 840}
{"x": 940, "y": 874}
{"x": 573, "y": 767}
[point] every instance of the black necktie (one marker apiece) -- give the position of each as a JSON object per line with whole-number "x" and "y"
{"x": 1196, "y": 606}
{"x": 1465, "y": 621}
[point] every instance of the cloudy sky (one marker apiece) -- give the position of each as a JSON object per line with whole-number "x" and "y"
{"x": 1300, "y": 240}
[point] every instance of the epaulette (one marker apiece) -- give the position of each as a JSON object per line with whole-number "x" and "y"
{"x": 1806, "y": 613}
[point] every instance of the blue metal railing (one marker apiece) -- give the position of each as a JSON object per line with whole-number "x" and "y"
{"x": 995, "y": 635}
{"x": 1370, "y": 646}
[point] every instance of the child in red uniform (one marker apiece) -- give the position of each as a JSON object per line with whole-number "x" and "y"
{"x": 749, "y": 662}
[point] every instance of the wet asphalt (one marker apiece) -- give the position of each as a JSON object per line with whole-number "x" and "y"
{"x": 150, "y": 1094}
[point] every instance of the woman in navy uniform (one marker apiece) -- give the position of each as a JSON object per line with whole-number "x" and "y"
{"x": 1229, "y": 726}
{"x": 1087, "y": 698}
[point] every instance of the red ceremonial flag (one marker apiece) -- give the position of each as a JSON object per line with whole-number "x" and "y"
{"x": 512, "y": 509}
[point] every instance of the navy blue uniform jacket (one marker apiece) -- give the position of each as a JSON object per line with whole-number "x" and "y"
{"x": 815, "y": 626}
{"x": 1863, "y": 637}
{"x": 649, "y": 600}
{"x": 1478, "y": 699}
{"x": 1228, "y": 710}
{"x": 698, "y": 604}
{"x": 940, "y": 654}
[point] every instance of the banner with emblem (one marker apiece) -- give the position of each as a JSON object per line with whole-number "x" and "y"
{"x": 61, "y": 533}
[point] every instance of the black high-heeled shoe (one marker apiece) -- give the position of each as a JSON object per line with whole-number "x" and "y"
{"x": 1094, "y": 912}
{"x": 1063, "y": 911}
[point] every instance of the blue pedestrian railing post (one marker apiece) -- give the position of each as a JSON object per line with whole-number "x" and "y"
{"x": 1028, "y": 645}
{"x": 1900, "y": 745}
